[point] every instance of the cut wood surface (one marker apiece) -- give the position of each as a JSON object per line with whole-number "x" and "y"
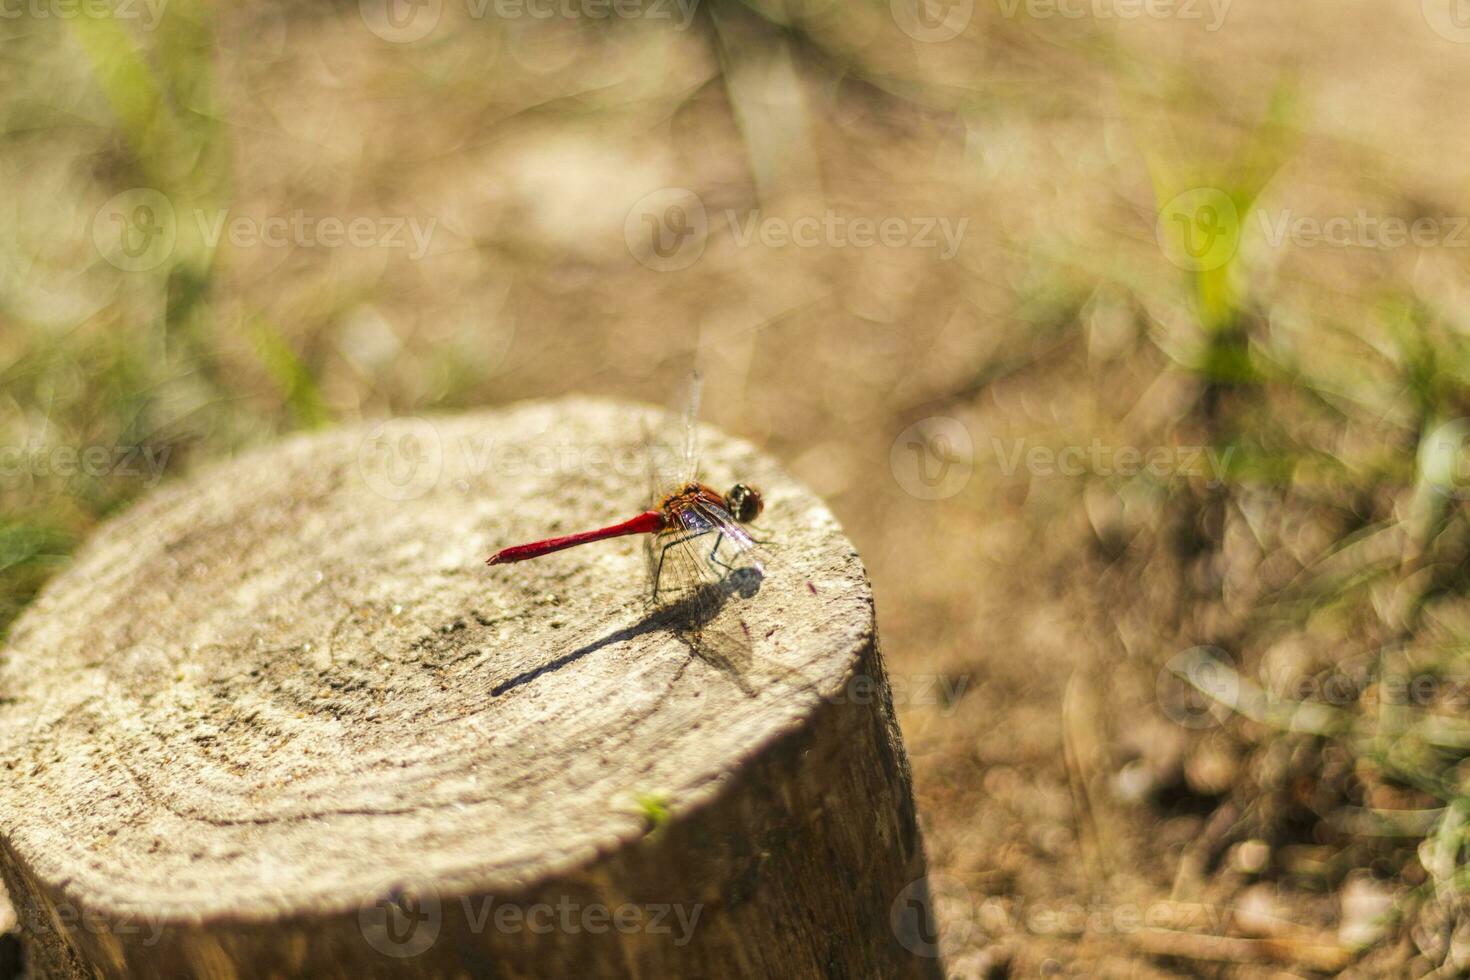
{"x": 280, "y": 719}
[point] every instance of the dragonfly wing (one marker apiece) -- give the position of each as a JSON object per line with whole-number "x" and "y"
{"x": 678, "y": 563}
{"x": 671, "y": 445}
{"x": 655, "y": 458}
{"x": 691, "y": 429}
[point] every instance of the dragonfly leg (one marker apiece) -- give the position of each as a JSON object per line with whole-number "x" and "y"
{"x": 663, "y": 552}
{"x": 714, "y": 555}
{"x": 756, "y": 539}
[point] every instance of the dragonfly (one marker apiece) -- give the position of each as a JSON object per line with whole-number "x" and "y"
{"x": 699, "y": 546}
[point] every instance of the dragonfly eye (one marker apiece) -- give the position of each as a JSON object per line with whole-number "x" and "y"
{"x": 745, "y": 503}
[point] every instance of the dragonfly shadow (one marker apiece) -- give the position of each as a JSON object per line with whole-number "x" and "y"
{"x": 685, "y": 616}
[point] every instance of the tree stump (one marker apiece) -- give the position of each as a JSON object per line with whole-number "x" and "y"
{"x": 280, "y": 719}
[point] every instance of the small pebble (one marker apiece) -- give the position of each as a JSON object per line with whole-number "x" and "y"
{"x": 1250, "y": 857}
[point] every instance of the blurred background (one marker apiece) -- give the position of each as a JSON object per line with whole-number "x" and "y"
{"x": 1125, "y": 337}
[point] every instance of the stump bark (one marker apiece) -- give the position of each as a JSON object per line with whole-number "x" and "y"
{"x": 280, "y": 719}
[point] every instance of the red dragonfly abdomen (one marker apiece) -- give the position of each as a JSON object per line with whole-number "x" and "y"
{"x": 645, "y": 523}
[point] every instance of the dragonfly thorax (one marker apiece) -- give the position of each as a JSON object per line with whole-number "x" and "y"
{"x": 744, "y": 502}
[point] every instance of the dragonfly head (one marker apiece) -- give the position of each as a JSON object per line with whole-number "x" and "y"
{"x": 744, "y": 503}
